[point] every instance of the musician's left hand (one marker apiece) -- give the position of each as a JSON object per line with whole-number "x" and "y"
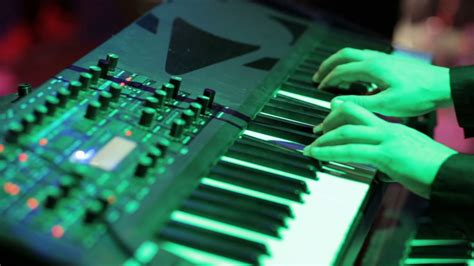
{"x": 354, "y": 134}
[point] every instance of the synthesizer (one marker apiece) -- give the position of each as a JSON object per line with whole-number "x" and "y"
{"x": 178, "y": 142}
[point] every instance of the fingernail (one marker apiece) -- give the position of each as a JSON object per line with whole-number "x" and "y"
{"x": 318, "y": 129}
{"x": 316, "y": 77}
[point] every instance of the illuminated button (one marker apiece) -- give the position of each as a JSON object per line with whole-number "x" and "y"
{"x": 75, "y": 88}
{"x": 176, "y": 81}
{"x": 151, "y": 102}
{"x": 196, "y": 108}
{"x": 57, "y": 231}
{"x": 211, "y": 94}
{"x": 94, "y": 211}
{"x": 147, "y": 117}
{"x": 28, "y": 122}
{"x": 204, "y": 102}
{"x": 177, "y": 128}
{"x": 169, "y": 88}
{"x": 14, "y": 132}
{"x": 154, "y": 153}
{"x": 24, "y": 89}
{"x": 52, "y": 104}
{"x": 85, "y": 79}
{"x": 104, "y": 66}
{"x": 63, "y": 96}
{"x": 113, "y": 61}
{"x": 95, "y": 72}
{"x": 160, "y": 95}
{"x": 104, "y": 98}
{"x": 53, "y": 197}
{"x": 115, "y": 89}
{"x": 40, "y": 112}
{"x": 143, "y": 166}
{"x": 92, "y": 110}
{"x": 163, "y": 144}
{"x": 188, "y": 116}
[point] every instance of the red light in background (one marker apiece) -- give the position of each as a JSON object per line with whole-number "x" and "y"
{"x": 2, "y": 148}
{"x": 43, "y": 142}
{"x": 32, "y": 203}
{"x": 23, "y": 157}
{"x": 128, "y": 79}
{"x": 128, "y": 133}
{"x": 57, "y": 231}
{"x": 11, "y": 188}
{"x": 122, "y": 84}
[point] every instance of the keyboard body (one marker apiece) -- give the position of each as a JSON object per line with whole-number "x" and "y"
{"x": 245, "y": 52}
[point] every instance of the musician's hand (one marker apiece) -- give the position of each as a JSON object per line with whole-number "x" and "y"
{"x": 355, "y": 135}
{"x": 408, "y": 87}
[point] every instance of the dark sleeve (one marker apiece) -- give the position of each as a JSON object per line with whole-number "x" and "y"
{"x": 452, "y": 193}
{"x": 462, "y": 92}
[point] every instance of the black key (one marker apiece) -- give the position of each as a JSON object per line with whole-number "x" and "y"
{"x": 298, "y": 106}
{"x": 274, "y": 180}
{"x": 301, "y": 82}
{"x": 242, "y": 154}
{"x": 274, "y": 109}
{"x": 308, "y": 68}
{"x": 280, "y": 131}
{"x": 307, "y": 91}
{"x": 302, "y": 128}
{"x": 233, "y": 216}
{"x": 213, "y": 242}
{"x": 278, "y": 155}
{"x": 224, "y": 172}
{"x": 271, "y": 209}
{"x": 245, "y": 206}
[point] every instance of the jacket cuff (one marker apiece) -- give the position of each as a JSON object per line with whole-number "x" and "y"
{"x": 462, "y": 93}
{"x": 454, "y": 184}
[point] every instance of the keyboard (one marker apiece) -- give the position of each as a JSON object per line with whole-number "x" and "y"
{"x": 178, "y": 142}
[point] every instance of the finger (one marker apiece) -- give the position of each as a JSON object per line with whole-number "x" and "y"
{"x": 350, "y": 153}
{"x": 343, "y": 56}
{"x": 350, "y": 134}
{"x": 350, "y": 73}
{"x": 373, "y": 103}
{"x": 348, "y": 113}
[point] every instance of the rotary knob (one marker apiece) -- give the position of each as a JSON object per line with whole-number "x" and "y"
{"x": 115, "y": 89}
{"x": 144, "y": 164}
{"x": 92, "y": 110}
{"x": 74, "y": 88}
{"x": 113, "y": 61}
{"x": 24, "y": 89}
{"x": 177, "y": 128}
{"x": 148, "y": 114}
{"x": 176, "y": 82}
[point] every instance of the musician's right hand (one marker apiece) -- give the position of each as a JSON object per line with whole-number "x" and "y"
{"x": 352, "y": 134}
{"x": 408, "y": 87}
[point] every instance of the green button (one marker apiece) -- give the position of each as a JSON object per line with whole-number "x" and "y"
{"x": 146, "y": 252}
